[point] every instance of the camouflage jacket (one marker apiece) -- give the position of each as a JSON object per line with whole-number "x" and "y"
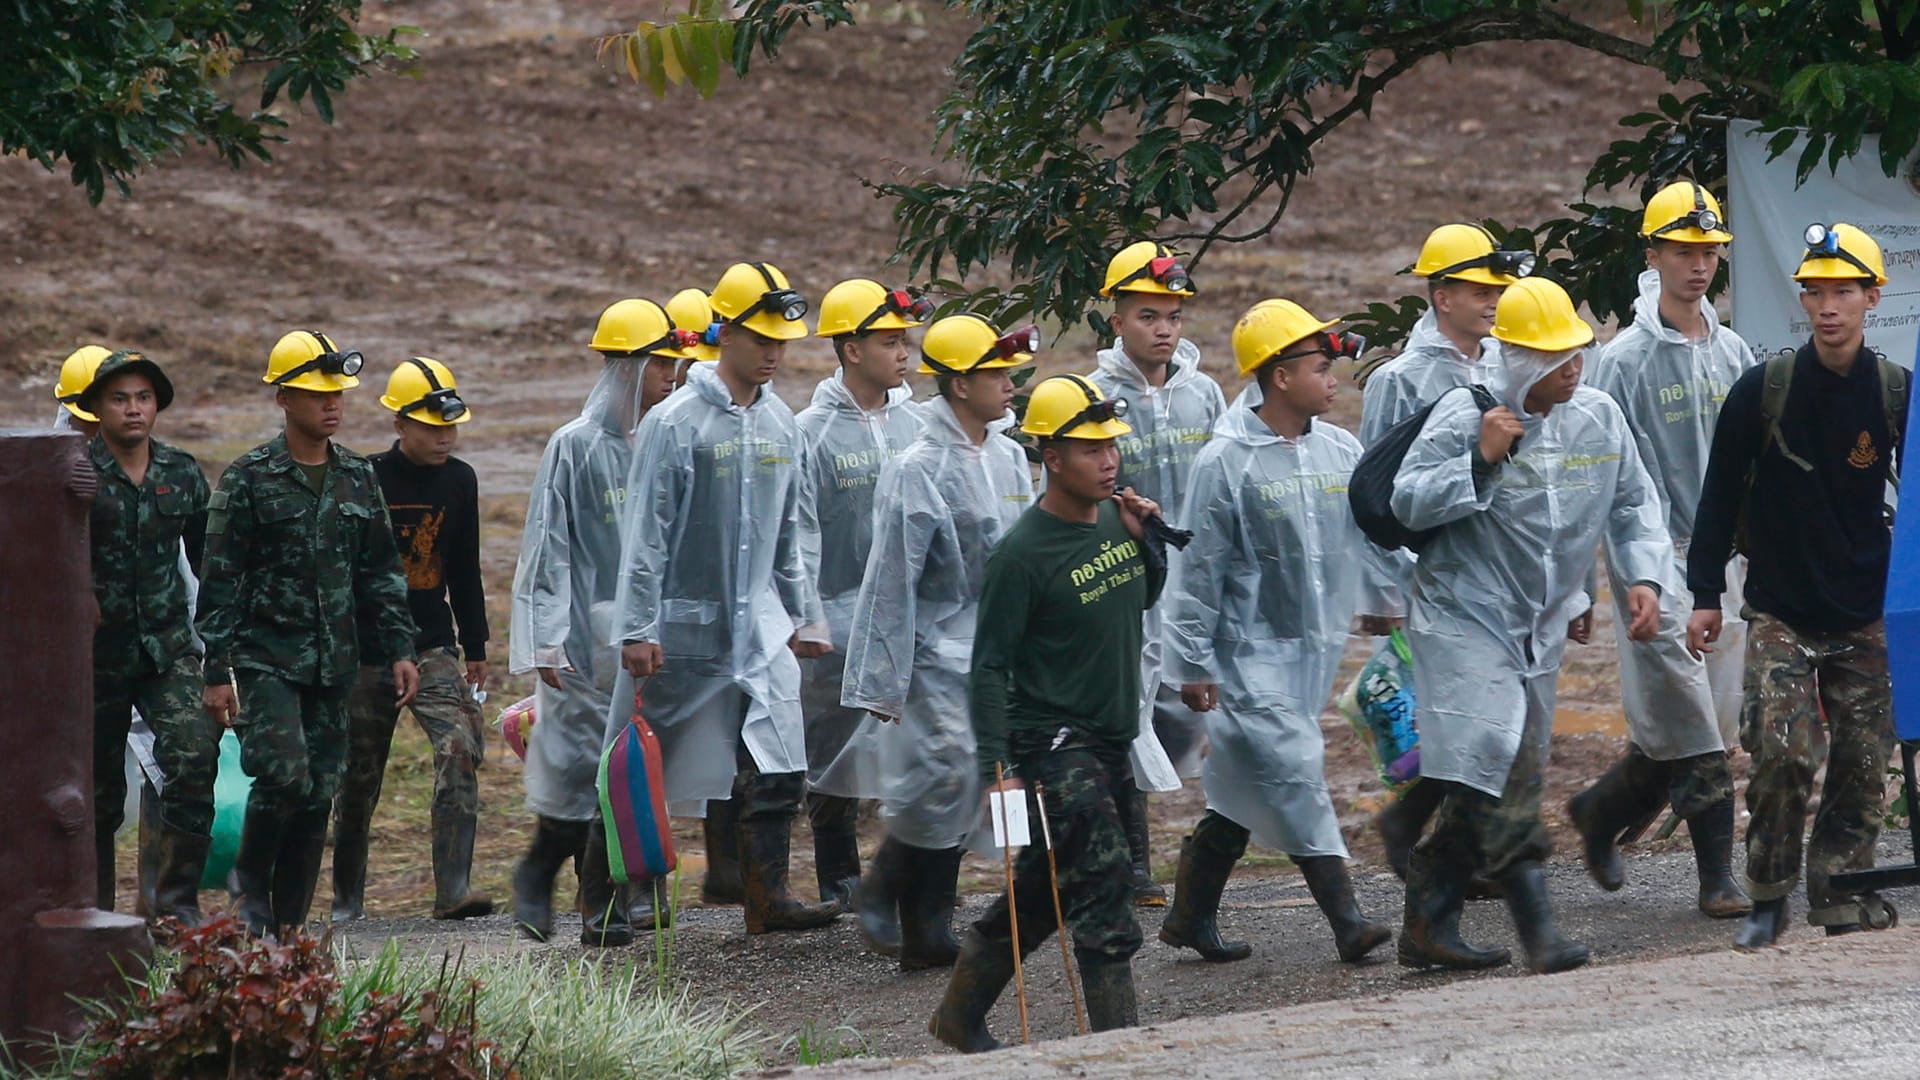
{"x": 136, "y": 532}
{"x": 285, "y": 570}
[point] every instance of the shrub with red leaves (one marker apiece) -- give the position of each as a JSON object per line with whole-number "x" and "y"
{"x": 240, "y": 1006}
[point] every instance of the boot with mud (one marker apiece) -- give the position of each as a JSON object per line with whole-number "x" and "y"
{"x": 145, "y": 903}
{"x": 296, "y": 872}
{"x": 1430, "y": 932}
{"x": 1108, "y": 988}
{"x": 603, "y": 905}
{"x": 1404, "y": 819}
{"x": 926, "y": 909}
{"x": 1600, "y": 813}
{"x": 350, "y": 843}
{"x": 650, "y": 905}
{"x": 764, "y": 848}
{"x": 253, "y": 868}
{"x": 1763, "y": 925}
{"x": 104, "y": 875}
{"x": 1193, "y": 920}
{"x": 554, "y": 842}
{"x": 878, "y": 899}
{"x": 1721, "y": 897}
{"x": 1548, "y": 951}
{"x": 979, "y": 975}
{"x": 836, "y": 847}
{"x": 722, "y": 885}
{"x": 1146, "y": 891}
{"x": 176, "y": 887}
{"x": 453, "y": 895}
{"x": 1354, "y": 935}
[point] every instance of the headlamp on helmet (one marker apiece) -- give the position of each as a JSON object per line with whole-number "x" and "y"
{"x": 1823, "y": 242}
{"x": 1165, "y": 270}
{"x": 441, "y": 401}
{"x": 1517, "y": 264}
{"x": 1024, "y": 340}
{"x": 1701, "y": 217}
{"x": 332, "y": 362}
{"x": 902, "y": 302}
{"x": 1096, "y": 412}
{"x": 779, "y": 300}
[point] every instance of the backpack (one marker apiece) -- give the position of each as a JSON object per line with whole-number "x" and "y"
{"x": 1773, "y": 406}
{"x": 1370, "y": 491}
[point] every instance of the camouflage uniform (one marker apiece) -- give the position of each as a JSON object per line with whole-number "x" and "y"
{"x": 286, "y": 569}
{"x": 1779, "y": 726}
{"x": 1086, "y": 783}
{"x": 444, "y": 709}
{"x": 143, "y": 649}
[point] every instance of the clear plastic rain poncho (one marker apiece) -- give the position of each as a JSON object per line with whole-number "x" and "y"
{"x": 564, "y": 585}
{"x": 1494, "y": 591}
{"x": 1260, "y": 604}
{"x": 711, "y": 569}
{"x": 1171, "y": 424}
{"x": 842, "y": 450}
{"x": 941, "y": 507}
{"x": 1671, "y": 387}
{"x": 1430, "y": 365}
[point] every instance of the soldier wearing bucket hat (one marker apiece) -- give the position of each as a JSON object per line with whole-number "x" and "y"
{"x": 300, "y": 557}
{"x": 152, "y": 503}
{"x": 433, "y": 501}
{"x": 1820, "y": 431}
{"x": 1054, "y": 693}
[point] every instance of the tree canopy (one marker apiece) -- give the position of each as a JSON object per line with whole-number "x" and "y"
{"x": 108, "y": 87}
{"x": 1082, "y": 123}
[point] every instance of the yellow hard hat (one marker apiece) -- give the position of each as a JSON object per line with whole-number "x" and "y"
{"x": 76, "y": 374}
{"x": 959, "y": 344}
{"x": 690, "y": 310}
{"x": 1269, "y": 327}
{"x": 860, "y": 305}
{"x": 630, "y": 327}
{"x": 1462, "y": 252}
{"x": 1840, "y": 251}
{"x": 309, "y": 360}
{"x": 1070, "y": 407}
{"x": 1147, "y": 267}
{"x": 1685, "y": 213}
{"x": 758, "y": 296}
{"x": 1537, "y": 314}
{"x": 423, "y": 389}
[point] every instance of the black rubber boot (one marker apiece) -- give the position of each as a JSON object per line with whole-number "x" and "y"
{"x": 349, "y": 868}
{"x": 253, "y": 868}
{"x": 104, "y": 878}
{"x": 1548, "y": 951}
{"x": 1146, "y": 891}
{"x": 1721, "y": 897}
{"x": 1354, "y": 935}
{"x": 453, "y": 895}
{"x": 1601, "y": 812}
{"x": 604, "y": 914}
{"x": 979, "y": 975}
{"x": 176, "y": 890}
{"x": 764, "y": 847}
{"x": 1404, "y": 819}
{"x": 926, "y": 909}
{"x": 723, "y": 885}
{"x": 554, "y": 842}
{"x": 836, "y": 847}
{"x": 1107, "y": 986}
{"x": 296, "y": 873}
{"x": 1193, "y": 920}
{"x": 1430, "y": 932}
{"x": 879, "y": 897}
{"x": 650, "y": 906}
{"x": 1763, "y": 925}
{"x": 146, "y": 903}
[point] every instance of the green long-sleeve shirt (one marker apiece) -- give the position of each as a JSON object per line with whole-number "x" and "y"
{"x": 1058, "y": 638}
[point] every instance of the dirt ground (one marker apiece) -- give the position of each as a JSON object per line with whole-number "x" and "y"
{"x": 484, "y": 212}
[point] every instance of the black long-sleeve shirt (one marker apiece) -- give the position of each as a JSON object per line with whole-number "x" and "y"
{"x": 436, "y": 524}
{"x": 1817, "y": 542}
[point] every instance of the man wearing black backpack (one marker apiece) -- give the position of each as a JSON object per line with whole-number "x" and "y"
{"x": 1816, "y": 431}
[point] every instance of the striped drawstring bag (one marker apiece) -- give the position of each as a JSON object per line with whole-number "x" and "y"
{"x": 633, "y": 804}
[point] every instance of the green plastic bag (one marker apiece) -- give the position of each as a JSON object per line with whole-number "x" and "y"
{"x": 230, "y": 790}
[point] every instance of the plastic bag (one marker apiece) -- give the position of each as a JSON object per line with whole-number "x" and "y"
{"x": 1379, "y": 705}
{"x": 231, "y": 786}
{"x": 516, "y": 725}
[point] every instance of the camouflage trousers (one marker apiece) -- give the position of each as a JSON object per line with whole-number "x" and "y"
{"x": 1791, "y": 675}
{"x": 293, "y": 742}
{"x": 445, "y": 710}
{"x": 186, "y": 744}
{"x": 1085, "y": 786}
{"x": 1477, "y": 832}
{"x": 1692, "y": 784}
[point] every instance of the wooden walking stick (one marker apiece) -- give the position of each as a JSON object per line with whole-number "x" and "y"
{"x": 1059, "y": 917}
{"x": 1013, "y": 906}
